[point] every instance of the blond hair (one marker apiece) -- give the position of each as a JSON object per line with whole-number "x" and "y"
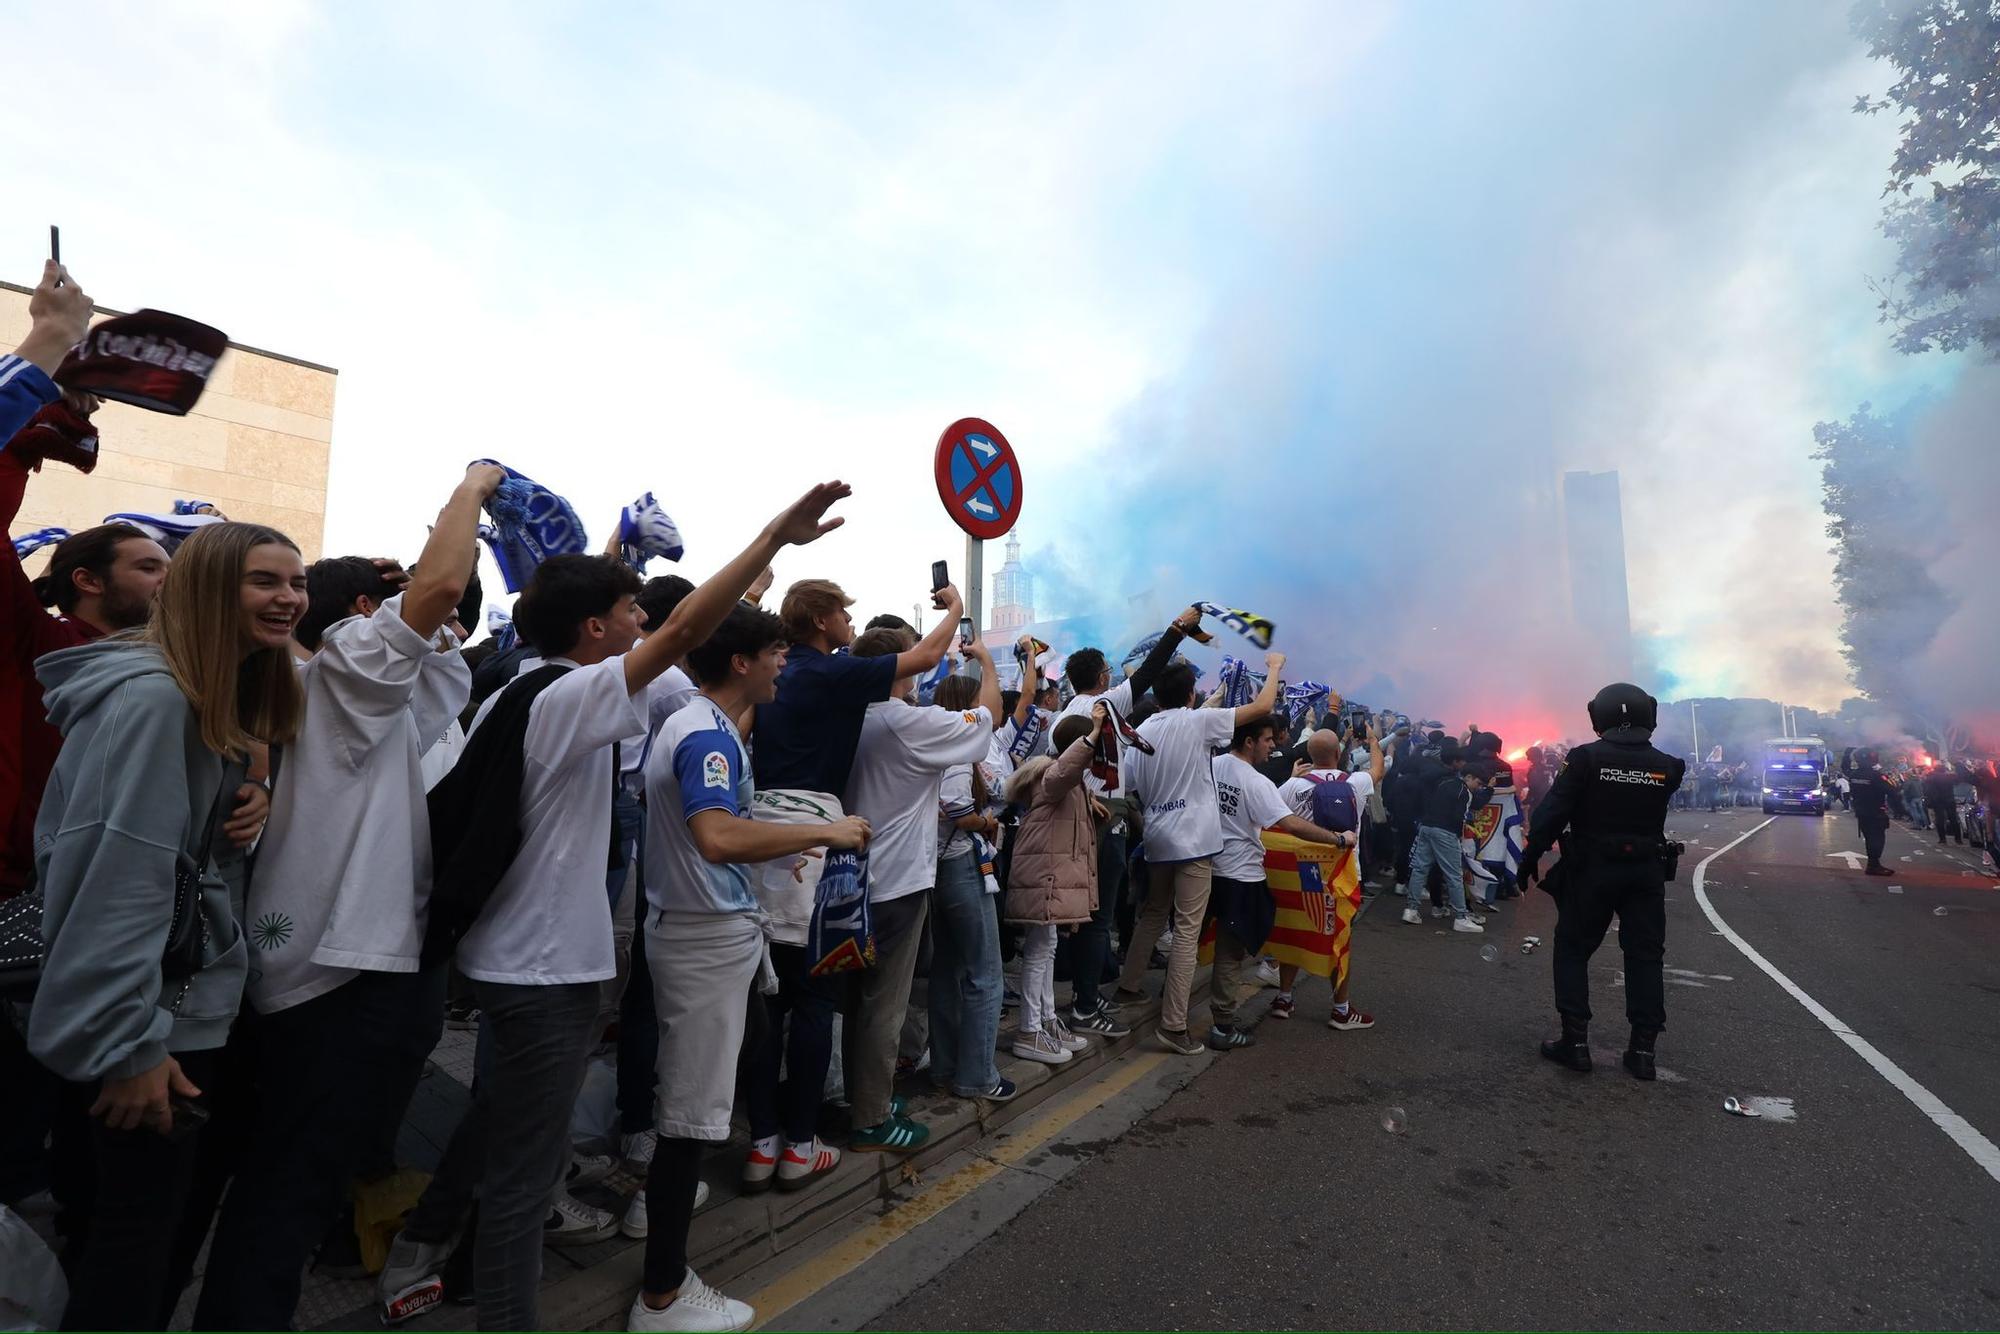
{"x": 806, "y": 600}
{"x": 240, "y": 697}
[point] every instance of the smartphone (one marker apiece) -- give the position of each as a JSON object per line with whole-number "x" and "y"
{"x": 189, "y": 1116}
{"x": 55, "y": 243}
{"x": 940, "y": 575}
{"x": 965, "y": 631}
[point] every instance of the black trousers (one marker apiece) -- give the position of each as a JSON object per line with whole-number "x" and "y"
{"x": 121, "y": 1194}
{"x": 1944, "y": 814}
{"x": 30, "y": 1107}
{"x": 324, "y": 1077}
{"x": 1873, "y": 834}
{"x": 1635, "y": 893}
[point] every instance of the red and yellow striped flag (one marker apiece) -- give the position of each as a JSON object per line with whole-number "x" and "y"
{"x": 1317, "y": 889}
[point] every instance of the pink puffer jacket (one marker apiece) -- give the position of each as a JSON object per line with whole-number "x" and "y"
{"x": 1054, "y": 875}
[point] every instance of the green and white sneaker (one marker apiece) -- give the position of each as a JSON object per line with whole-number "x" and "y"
{"x": 898, "y": 1134}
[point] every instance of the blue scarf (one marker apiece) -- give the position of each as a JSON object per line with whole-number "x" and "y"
{"x": 27, "y": 544}
{"x": 1251, "y": 626}
{"x": 169, "y": 530}
{"x": 1304, "y": 698}
{"x": 646, "y": 530}
{"x": 530, "y": 524}
{"x": 1240, "y": 685}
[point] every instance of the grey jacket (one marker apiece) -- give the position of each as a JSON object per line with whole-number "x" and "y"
{"x": 128, "y": 802}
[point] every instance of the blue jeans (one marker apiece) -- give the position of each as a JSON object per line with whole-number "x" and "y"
{"x": 965, "y": 979}
{"x": 1440, "y": 848}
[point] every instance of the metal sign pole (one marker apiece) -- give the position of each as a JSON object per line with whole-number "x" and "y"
{"x": 975, "y": 582}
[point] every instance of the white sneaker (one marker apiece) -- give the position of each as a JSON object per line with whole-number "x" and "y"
{"x": 587, "y": 1169}
{"x": 1057, "y": 1029}
{"x": 1041, "y": 1047}
{"x": 410, "y": 1282}
{"x": 1469, "y": 926}
{"x": 800, "y": 1165}
{"x": 634, "y": 1223}
{"x": 1413, "y": 917}
{"x": 698, "y": 1307}
{"x": 573, "y": 1223}
{"x": 637, "y": 1150}
{"x": 1267, "y": 973}
{"x": 1439, "y": 914}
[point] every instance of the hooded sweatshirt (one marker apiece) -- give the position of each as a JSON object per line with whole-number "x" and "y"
{"x": 127, "y": 803}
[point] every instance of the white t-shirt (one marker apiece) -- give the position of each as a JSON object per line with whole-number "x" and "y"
{"x": 1249, "y": 803}
{"x": 1119, "y": 697}
{"x": 344, "y": 873}
{"x": 698, "y": 764}
{"x": 549, "y": 919}
{"x": 1298, "y": 792}
{"x": 902, "y": 756}
{"x": 1176, "y": 783}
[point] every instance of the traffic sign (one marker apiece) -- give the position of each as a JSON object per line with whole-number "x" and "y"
{"x": 978, "y": 478}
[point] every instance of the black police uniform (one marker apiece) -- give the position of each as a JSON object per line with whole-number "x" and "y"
{"x": 1609, "y": 807}
{"x": 1869, "y": 789}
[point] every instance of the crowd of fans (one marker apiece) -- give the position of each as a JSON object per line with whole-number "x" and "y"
{"x": 275, "y": 824}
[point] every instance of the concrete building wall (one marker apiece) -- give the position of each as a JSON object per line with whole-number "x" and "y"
{"x": 256, "y": 446}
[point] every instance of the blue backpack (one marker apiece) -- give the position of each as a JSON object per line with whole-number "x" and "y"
{"x": 1334, "y": 806}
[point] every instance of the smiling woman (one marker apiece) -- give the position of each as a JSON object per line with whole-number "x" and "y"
{"x": 155, "y": 728}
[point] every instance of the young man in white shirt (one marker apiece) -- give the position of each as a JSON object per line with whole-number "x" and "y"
{"x": 542, "y": 941}
{"x": 1323, "y": 750}
{"x": 704, "y": 939}
{"x": 1089, "y": 673}
{"x": 1249, "y": 804}
{"x": 339, "y": 1019}
{"x": 899, "y": 765}
{"x": 1176, "y": 793}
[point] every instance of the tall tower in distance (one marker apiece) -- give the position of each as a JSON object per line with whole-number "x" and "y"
{"x": 1595, "y": 528}
{"x": 1013, "y": 591}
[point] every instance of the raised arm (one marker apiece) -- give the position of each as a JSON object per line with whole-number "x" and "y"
{"x": 1163, "y": 652}
{"x": 930, "y": 650}
{"x": 445, "y": 567}
{"x": 1267, "y": 698}
{"x": 695, "y": 619}
{"x": 989, "y": 682}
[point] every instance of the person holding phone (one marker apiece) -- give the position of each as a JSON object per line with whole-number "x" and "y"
{"x": 157, "y": 730}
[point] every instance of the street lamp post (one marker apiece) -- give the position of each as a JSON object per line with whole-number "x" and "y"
{"x": 1695, "y": 723}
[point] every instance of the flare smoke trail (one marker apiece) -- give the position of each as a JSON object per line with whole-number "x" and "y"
{"x": 1601, "y": 248}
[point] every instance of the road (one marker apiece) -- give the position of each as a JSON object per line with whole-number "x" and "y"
{"x": 1515, "y": 1194}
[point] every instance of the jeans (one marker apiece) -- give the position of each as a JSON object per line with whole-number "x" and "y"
{"x": 512, "y": 1148}
{"x": 1093, "y": 938}
{"x": 1178, "y": 890}
{"x": 122, "y": 1194}
{"x": 1438, "y": 848}
{"x": 965, "y": 979}
{"x": 326, "y": 1075}
{"x": 878, "y": 998}
{"x": 1038, "y": 976}
{"x": 1225, "y": 977}
{"x": 803, "y": 1053}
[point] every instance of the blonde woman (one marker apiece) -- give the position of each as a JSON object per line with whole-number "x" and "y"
{"x": 156, "y": 728}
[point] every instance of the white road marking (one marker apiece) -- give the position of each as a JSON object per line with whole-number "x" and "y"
{"x": 1854, "y": 859}
{"x": 1980, "y": 1149}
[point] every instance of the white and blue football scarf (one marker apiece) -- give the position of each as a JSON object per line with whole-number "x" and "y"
{"x": 169, "y": 530}
{"x": 1251, "y": 626}
{"x": 645, "y": 530}
{"x": 530, "y": 524}
{"x": 27, "y": 544}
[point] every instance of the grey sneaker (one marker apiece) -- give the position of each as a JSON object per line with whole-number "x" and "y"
{"x": 1099, "y": 1023}
{"x": 1178, "y": 1043}
{"x": 411, "y": 1281}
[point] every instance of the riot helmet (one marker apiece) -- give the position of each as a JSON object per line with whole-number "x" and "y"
{"x": 1623, "y": 704}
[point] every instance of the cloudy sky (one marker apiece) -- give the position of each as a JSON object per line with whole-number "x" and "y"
{"x": 1299, "y": 307}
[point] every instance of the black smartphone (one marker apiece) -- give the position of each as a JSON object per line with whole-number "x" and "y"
{"x": 940, "y": 575}
{"x": 55, "y": 243}
{"x": 189, "y": 1116}
{"x": 965, "y": 630}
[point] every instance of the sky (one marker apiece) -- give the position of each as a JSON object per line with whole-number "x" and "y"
{"x": 1299, "y": 308}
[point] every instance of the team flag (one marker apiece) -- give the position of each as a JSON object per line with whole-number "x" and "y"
{"x": 1317, "y": 889}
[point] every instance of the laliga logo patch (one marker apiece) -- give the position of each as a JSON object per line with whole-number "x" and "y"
{"x": 715, "y": 770}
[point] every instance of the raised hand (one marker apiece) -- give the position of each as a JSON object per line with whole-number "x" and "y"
{"x": 805, "y": 521}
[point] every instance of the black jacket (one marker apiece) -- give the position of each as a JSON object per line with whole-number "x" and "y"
{"x": 1618, "y": 786}
{"x": 1409, "y": 783}
{"x": 1448, "y": 802}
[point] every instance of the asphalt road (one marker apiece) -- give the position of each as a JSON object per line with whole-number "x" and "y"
{"x": 1516, "y": 1194}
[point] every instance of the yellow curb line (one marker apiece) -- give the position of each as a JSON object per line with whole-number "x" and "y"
{"x": 850, "y": 1254}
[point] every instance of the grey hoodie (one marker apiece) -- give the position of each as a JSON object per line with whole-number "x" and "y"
{"x": 128, "y": 802}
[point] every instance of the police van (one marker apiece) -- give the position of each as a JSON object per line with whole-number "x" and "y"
{"x": 1795, "y": 769}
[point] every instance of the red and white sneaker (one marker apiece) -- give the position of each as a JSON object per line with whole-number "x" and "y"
{"x": 1281, "y": 1007}
{"x": 801, "y": 1164}
{"x": 758, "y": 1170}
{"x": 1352, "y": 1019}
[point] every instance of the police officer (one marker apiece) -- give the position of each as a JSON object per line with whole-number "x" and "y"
{"x": 1609, "y": 808}
{"x": 1869, "y": 788}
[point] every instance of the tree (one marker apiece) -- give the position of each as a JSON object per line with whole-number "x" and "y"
{"x": 1885, "y": 531}
{"x": 1946, "y": 293}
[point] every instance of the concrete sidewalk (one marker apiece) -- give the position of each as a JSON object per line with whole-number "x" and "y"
{"x": 590, "y": 1287}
